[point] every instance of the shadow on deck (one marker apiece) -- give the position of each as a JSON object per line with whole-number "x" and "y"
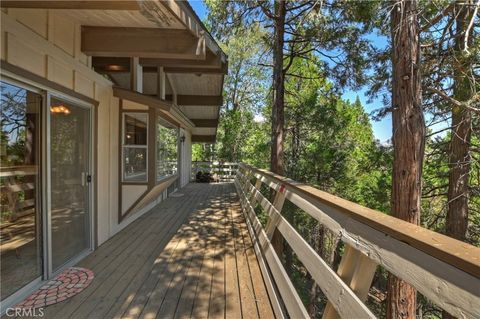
{"x": 189, "y": 257}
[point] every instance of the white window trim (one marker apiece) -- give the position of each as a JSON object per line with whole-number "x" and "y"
{"x": 124, "y": 146}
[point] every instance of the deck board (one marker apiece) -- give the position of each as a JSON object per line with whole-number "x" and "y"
{"x": 189, "y": 257}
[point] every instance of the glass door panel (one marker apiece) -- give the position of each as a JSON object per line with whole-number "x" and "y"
{"x": 70, "y": 180}
{"x": 20, "y": 214}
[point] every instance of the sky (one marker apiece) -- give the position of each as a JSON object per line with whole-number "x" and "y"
{"x": 381, "y": 129}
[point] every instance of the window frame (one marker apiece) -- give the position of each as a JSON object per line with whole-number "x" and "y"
{"x": 134, "y": 146}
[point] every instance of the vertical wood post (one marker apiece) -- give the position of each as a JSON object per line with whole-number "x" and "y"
{"x": 276, "y": 237}
{"x": 161, "y": 83}
{"x": 258, "y": 185}
{"x": 136, "y": 75}
{"x": 357, "y": 271}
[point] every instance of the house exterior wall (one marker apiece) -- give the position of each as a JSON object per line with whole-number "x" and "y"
{"x": 45, "y": 43}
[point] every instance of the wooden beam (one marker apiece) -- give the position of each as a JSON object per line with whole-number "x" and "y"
{"x": 141, "y": 98}
{"x": 198, "y": 100}
{"x": 203, "y": 138}
{"x": 161, "y": 83}
{"x": 210, "y": 61}
{"x": 205, "y": 122}
{"x": 174, "y": 89}
{"x": 221, "y": 70}
{"x": 136, "y": 76}
{"x": 82, "y": 5}
{"x": 185, "y": 13}
{"x": 141, "y": 42}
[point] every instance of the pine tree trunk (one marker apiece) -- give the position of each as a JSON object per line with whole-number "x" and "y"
{"x": 318, "y": 244}
{"x": 459, "y": 162}
{"x": 278, "y": 118}
{"x": 408, "y": 139}
{"x": 459, "y": 159}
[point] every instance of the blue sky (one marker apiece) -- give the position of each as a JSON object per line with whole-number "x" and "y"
{"x": 381, "y": 129}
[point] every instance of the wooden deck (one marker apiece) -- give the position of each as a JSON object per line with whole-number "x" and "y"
{"x": 190, "y": 257}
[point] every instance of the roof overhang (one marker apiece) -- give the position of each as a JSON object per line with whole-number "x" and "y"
{"x": 170, "y": 45}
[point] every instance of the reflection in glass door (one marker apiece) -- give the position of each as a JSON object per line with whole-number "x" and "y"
{"x": 70, "y": 180}
{"x": 20, "y": 213}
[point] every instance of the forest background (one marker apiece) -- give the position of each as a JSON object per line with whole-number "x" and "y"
{"x": 336, "y": 63}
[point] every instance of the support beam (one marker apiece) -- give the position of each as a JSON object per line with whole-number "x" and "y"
{"x": 174, "y": 89}
{"x": 198, "y": 100}
{"x": 195, "y": 70}
{"x": 141, "y": 99}
{"x": 203, "y": 138}
{"x": 205, "y": 122}
{"x": 192, "y": 22}
{"x": 81, "y": 5}
{"x": 161, "y": 83}
{"x": 212, "y": 63}
{"x": 143, "y": 42}
{"x": 121, "y": 64}
{"x": 136, "y": 76}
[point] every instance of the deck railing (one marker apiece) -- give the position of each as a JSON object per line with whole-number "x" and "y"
{"x": 444, "y": 270}
{"x": 224, "y": 171}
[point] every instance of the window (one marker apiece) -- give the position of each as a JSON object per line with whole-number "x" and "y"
{"x": 135, "y": 128}
{"x": 167, "y": 149}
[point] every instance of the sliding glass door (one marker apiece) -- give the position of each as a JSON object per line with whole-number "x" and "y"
{"x": 70, "y": 153}
{"x": 20, "y": 213}
{"x": 45, "y": 183}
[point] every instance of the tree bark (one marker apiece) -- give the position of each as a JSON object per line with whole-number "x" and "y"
{"x": 459, "y": 160}
{"x": 408, "y": 139}
{"x": 318, "y": 244}
{"x": 278, "y": 118}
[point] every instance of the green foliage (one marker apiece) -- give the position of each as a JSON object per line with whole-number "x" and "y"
{"x": 329, "y": 141}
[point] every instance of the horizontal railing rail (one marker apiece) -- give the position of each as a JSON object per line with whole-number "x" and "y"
{"x": 444, "y": 270}
{"x": 224, "y": 171}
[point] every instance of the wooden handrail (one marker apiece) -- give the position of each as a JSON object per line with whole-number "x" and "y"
{"x": 450, "y": 250}
{"x": 224, "y": 170}
{"x": 443, "y": 269}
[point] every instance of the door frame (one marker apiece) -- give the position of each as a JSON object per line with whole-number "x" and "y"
{"x": 49, "y": 271}
{"x": 44, "y": 199}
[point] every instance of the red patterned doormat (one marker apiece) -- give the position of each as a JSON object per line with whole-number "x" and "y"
{"x": 70, "y": 282}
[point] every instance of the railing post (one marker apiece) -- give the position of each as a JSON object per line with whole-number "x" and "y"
{"x": 272, "y": 232}
{"x": 357, "y": 271}
{"x": 258, "y": 185}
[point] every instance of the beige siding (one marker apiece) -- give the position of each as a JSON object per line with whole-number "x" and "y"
{"x": 59, "y": 72}
{"x": 130, "y": 194}
{"x": 63, "y": 30}
{"x": 35, "y": 20}
{"x": 104, "y": 94}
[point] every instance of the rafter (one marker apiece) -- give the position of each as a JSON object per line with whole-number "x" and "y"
{"x": 84, "y": 5}
{"x": 141, "y": 99}
{"x": 141, "y": 42}
{"x": 205, "y": 122}
{"x": 198, "y": 100}
{"x": 203, "y": 138}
